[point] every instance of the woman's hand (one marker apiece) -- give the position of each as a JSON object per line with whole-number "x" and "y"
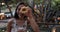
{"x": 31, "y": 20}
{"x": 29, "y": 13}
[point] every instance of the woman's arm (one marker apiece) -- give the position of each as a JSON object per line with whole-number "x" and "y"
{"x": 9, "y": 25}
{"x": 33, "y": 24}
{"x": 32, "y": 20}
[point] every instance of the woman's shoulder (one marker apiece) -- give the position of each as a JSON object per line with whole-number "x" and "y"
{"x": 11, "y": 20}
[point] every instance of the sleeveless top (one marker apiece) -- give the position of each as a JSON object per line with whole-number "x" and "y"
{"x": 16, "y": 28}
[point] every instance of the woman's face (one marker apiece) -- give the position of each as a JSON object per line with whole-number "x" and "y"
{"x": 18, "y": 11}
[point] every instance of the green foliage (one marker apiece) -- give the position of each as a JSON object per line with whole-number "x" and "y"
{"x": 55, "y": 4}
{"x": 37, "y": 1}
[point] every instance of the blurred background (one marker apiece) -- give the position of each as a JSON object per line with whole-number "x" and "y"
{"x": 46, "y": 13}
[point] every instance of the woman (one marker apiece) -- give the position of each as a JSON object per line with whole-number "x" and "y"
{"x": 19, "y": 22}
